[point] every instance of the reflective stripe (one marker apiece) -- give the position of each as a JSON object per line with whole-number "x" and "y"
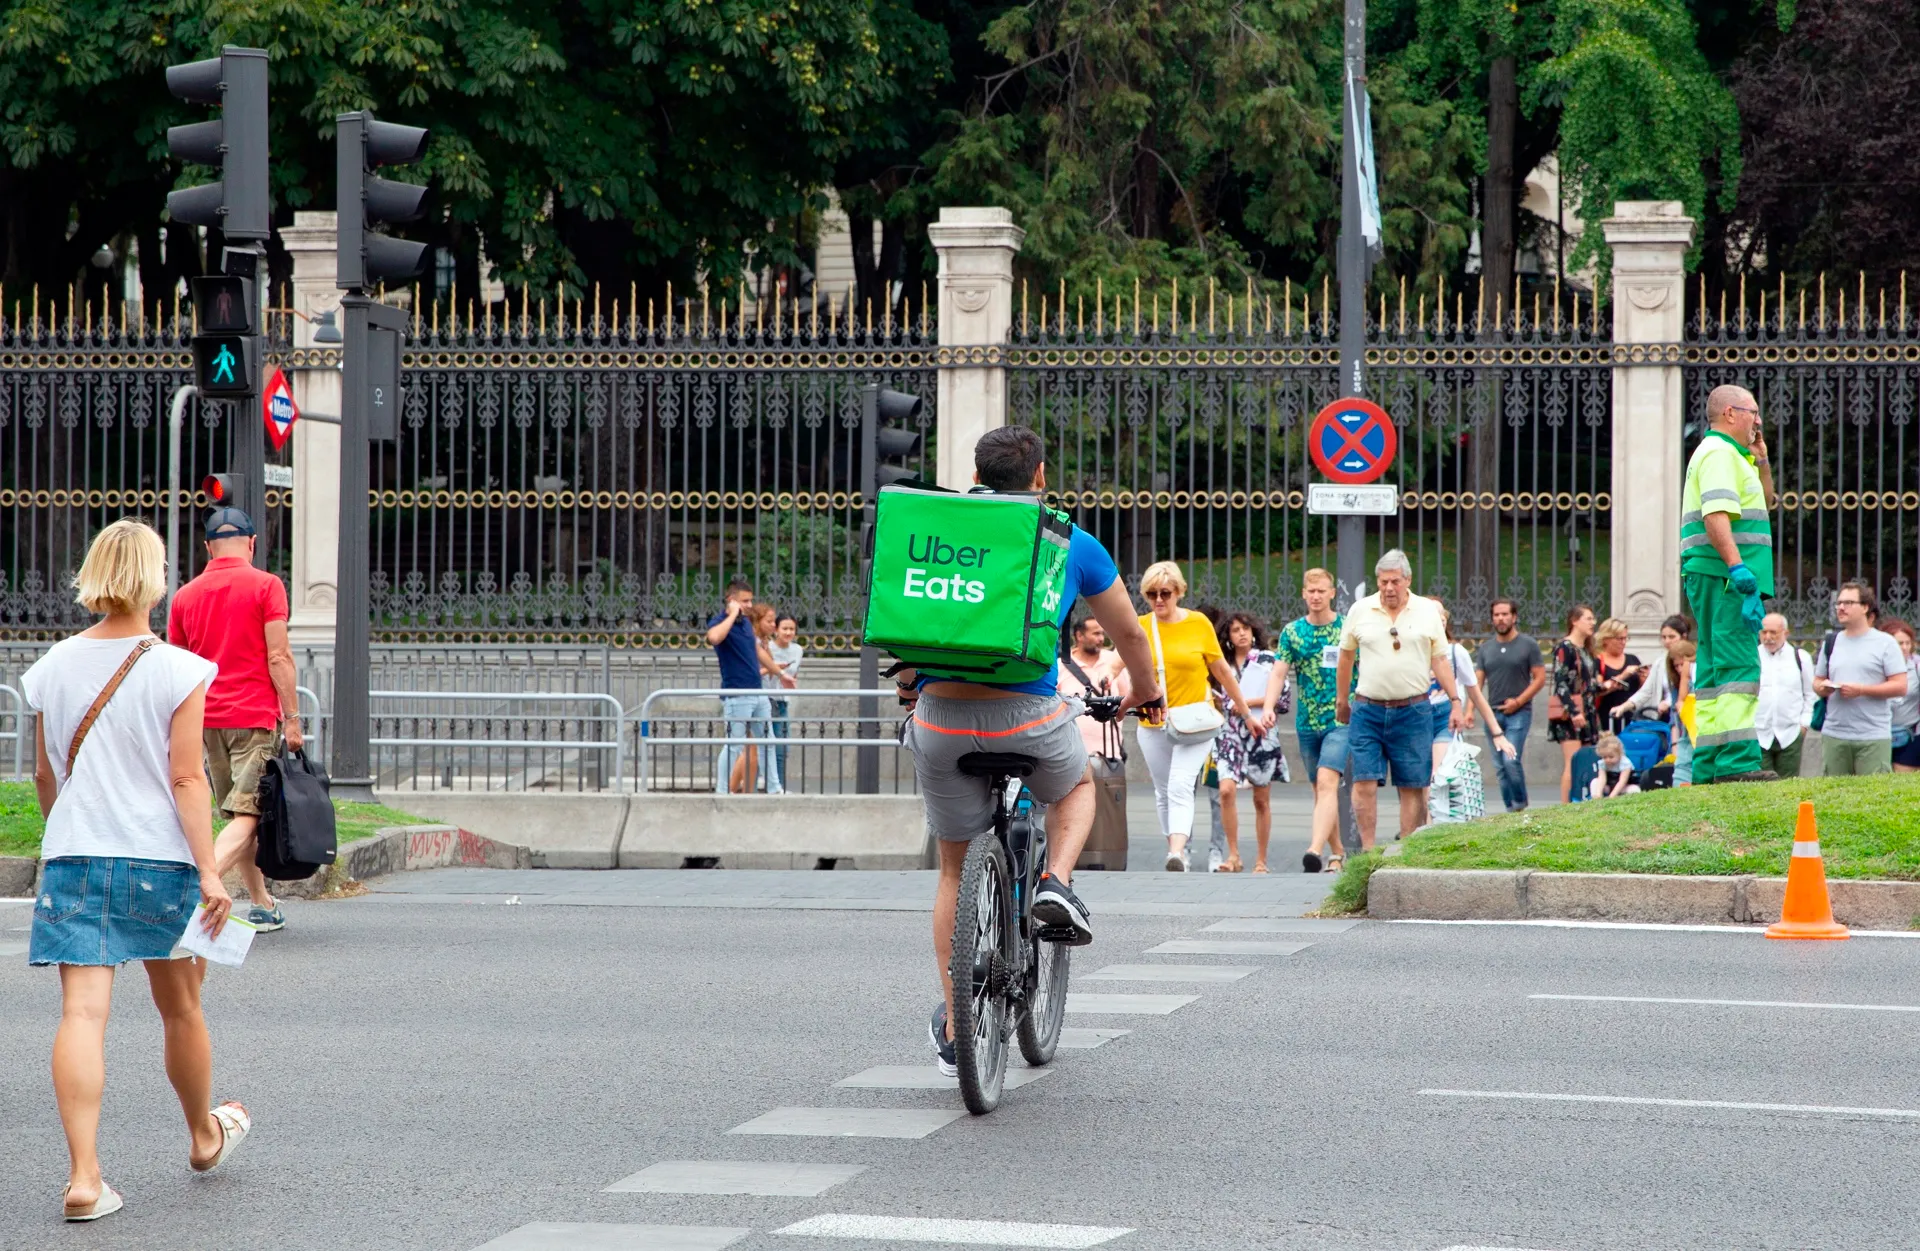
{"x": 1705, "y": 693}
{"x": 1741, "y": 538}
{"x": 1806, "y": 848}
{"x": 1719, "y": 493}
{"x": 1695, "y": 540}
{"x": 1743, "y": 735}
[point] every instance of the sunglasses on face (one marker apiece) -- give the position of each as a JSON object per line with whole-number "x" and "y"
{"x": 1164, "y": 594}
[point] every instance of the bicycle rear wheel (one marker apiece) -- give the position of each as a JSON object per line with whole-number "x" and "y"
{"x": 982, "y": 964}
{"x": 1047, "y": 1005}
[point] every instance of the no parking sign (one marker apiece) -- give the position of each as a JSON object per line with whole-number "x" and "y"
{"x": 277, "y": 410}
{"x": 1353, "y": 441}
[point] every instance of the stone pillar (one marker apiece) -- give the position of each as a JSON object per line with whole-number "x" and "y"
{"x": 316, "y": 445}
{"x": 1649, "y": 239}
{"x": 976, "y": 247}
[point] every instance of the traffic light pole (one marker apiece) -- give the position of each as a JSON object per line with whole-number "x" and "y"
{"x": 247, "y": 448}
{"x": 866, "y": 772}
{"x": 352, "y": 764}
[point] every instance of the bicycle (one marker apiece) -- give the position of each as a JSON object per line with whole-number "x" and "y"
{"x": 1009, "y": 974}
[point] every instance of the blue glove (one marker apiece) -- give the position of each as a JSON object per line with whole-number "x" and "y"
{"x": 1753, "y": 609}
{"x": 1741, "y": 579}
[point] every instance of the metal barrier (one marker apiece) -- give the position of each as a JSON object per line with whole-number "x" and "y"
{"x": 445, "y": 765}
{"x": 16, "y": 711}
{"x": 648, "y": 740}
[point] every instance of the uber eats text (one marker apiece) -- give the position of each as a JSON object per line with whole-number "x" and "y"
{"x": 931, "y": 549}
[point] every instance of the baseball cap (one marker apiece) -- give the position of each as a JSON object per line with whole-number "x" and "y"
{"x": 228, "y": 523}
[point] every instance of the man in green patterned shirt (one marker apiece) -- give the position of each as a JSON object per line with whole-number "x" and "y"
{"x": 1309, "y": 648}
{"x": 1726, "y": 570}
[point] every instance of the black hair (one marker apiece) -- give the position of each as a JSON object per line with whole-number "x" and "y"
{"x": 1007, "y": 457}
{"x": 1512, "y": 605}
{"x": 783, "y": 618}
{"x": 1261, "y": 640}
{"x": 1864, "y": 590}
{"x": 1679, "y": 625}
{"x": 735, "y": 587}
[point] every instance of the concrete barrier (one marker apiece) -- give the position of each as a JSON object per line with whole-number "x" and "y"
{"x": 561, "y": 831}
{"x": 1525, "y": 894}
{"x": 19, "y": 876}
{"x": 667, "y": 831}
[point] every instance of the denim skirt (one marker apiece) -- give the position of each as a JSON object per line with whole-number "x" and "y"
{"x": 107, "y": 910}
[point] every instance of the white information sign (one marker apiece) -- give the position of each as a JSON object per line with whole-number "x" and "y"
{"x": 279, "y": 475}
{"x": 1333, "y": 499}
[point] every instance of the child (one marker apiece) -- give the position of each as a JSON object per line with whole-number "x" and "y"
{"x": 1615, "y": 776}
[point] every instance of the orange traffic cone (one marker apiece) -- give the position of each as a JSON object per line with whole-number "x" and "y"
{"x": 1807, "y": 911}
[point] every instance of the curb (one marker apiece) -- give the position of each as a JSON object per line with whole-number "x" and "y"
{"x": 1397, "y": 894}
{"x": 399, "y": 847}
{"x": 19, "y": 876}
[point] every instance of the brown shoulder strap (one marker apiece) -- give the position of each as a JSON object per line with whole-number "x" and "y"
{"x": 106, "y": 693}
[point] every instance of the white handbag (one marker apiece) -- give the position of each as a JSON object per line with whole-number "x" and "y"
{"x": 1186, "y": 723}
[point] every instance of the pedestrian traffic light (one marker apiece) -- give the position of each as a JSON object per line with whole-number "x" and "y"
{"x": 225, "y": 304}
{"x": 223, "y": 490}
{"x": 236, "y": 80}
{"x": 890, "y": 442}
{"x": 226, "y": 366}
{"x": 366, "y": 258}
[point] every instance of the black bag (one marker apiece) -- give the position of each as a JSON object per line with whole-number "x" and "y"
{"x": 1826, "y": 656}
{"x": 296, "y": 838}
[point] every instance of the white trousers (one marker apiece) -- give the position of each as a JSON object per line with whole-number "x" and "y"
{"x": 1176, "y": 774}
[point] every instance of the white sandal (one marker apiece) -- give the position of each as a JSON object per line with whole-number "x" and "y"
{"x": 235, "y": 1124}
{"x": 106, "y": 1204}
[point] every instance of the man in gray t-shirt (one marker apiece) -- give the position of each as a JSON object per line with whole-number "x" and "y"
{"x": 1859, "y": 677}
{"x": 1512, "y": 671}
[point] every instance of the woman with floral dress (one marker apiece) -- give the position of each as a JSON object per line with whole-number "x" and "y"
{"x": 1571, "y": 721}
{"x": 1249, "y": 755}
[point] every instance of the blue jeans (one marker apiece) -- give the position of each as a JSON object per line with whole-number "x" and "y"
{"x": 1400, "y": 737}
{"x": 780, "y": 732}
{"x": 747, "y": 716}
{"x": 1513, "y": 772}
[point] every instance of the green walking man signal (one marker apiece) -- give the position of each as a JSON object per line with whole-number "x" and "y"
{"x": 226, "y": 366}
{"x": 223, "y": 365}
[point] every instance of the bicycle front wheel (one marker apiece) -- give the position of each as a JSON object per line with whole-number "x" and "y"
{"x": 982, "y": 964}
{"x": 1047, "y": 1005}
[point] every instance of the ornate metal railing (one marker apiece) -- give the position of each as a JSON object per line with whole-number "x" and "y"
{"x": 1837, "y": 378}
{"x": 1177, "y": 430}
{"x": 84, "y": 441}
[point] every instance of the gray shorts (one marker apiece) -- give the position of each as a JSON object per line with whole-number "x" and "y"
{"x": 943, "y": 730}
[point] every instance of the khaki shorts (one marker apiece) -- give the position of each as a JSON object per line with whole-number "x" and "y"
{"x": 959, "y": 807}
{"x": 235, "y": 760}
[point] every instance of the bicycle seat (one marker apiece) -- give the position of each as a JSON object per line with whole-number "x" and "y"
{"x": 1005, "y": 764}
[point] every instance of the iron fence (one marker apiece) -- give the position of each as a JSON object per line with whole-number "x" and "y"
{"x": 1837, "y": 385}
{"x": 83, "y": 442}
{"x": 1178, "y": 431}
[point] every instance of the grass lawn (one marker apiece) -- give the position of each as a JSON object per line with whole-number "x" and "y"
{"x": 1869, "y": 828}
{"x": 21, "y": 826}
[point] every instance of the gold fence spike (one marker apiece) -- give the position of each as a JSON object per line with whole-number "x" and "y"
{"x": 1100, "y": 305}
{"x": 1209, "y": 303}
{"x": 1403, "y": 306}
{"x": 1175, "y": 328}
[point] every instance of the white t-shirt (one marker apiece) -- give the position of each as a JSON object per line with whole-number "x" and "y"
{"x": 1463, "y": 675}
{"x": 119, "y": 801}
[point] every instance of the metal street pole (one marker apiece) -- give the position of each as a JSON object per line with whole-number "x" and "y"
{"x": 352, "y": 764}
{"x": 248, "y": 446}
{"x": 1352, "y": 531}
{"x": 866, "y": 771}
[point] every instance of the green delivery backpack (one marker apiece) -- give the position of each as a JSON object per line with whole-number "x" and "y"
{"x": 967, "y": 586}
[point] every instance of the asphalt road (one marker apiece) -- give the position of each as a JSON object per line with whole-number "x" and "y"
{"x": 439, "y": 1071}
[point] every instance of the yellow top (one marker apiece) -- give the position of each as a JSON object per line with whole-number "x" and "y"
{"x": 1187, "y": 645}
{"x": 1386, "y": 671}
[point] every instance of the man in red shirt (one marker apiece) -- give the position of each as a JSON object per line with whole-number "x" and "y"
{"x": 236, "y": 616}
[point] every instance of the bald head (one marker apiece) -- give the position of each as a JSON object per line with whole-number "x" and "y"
{"x": 1733, "y": 411}
{"x": 1773, "y": 631}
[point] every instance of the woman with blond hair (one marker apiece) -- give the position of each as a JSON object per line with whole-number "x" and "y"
{"x": 1185, "y": 652}
{"x": 1618, "y": 673}
{"x": 128, "y": 850}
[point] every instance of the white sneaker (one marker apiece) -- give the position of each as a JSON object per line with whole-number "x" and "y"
{"x": 1176, "y": 862}
{"x": 1214, "y": 862}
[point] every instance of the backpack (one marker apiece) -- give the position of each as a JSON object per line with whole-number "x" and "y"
{"x": 967, "y": 586}
{"x": 296, "y": 837}
{"x": 1826, "y": 655}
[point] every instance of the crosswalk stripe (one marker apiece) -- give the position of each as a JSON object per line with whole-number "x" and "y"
{"x": 963, "y": 1233}
{"x": 1128, "y": 1005}
{"x": 1169, "y": 973}
{"x": 850, "y": 1122}
{"x": 574, "y": 1236}
{"x": 736, "y": 1177}
{"x": 926, "y": 1077}
{"x": 1081, "y": 1038}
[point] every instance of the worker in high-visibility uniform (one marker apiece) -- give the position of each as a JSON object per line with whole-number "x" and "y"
{"x": 1726, "y": 570}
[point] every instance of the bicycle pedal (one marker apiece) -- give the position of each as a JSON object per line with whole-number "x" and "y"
{"x": 1057, "y": 934}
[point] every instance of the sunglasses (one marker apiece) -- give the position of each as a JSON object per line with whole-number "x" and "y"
{"x": 1161, "y": 594}
{"x": 1395, "y": 632}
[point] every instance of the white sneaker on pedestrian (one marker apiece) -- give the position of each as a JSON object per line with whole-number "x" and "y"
{"x": 1214, "y": 862}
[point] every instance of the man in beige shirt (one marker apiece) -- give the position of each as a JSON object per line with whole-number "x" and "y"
{"x": 1401, "y": 641}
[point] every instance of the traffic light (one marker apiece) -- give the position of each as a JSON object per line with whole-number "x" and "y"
{"x": 367, "y": 259}
{"x": 236, "y": 80}
{"x": 226, "y": 366}
{"x": 224, "y": 490}
{"x": 882, "y": 407}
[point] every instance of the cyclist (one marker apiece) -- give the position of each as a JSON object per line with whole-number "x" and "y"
{"x": 952, "y": 718}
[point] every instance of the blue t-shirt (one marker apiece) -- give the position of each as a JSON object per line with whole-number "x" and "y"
{"x": 739, "y": 659}
{"x": 1090, "y": 570}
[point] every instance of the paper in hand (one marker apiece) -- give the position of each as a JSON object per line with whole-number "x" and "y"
{"x": 232, "y": 945}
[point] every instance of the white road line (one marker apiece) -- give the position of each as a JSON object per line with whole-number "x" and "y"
{"x": 735, "y": 1177}
{"x": 1755, "y": 930}
{"x": 1128, "y": 1005}
{"x": 1821, "y": 1109}
{"x": 850, "y": 1122}
{"x": 963, "y": 1233}
{"x": 1735, "y": 1003}
{"x": 1082, "y": 1038}
{"x": 926, "y": 1077}
{"x": 1483, "y": 1249}
{"x": 1225, "y": 947}
{"x": 572, "y": 1236}
{"x": 1169, "y": 973}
